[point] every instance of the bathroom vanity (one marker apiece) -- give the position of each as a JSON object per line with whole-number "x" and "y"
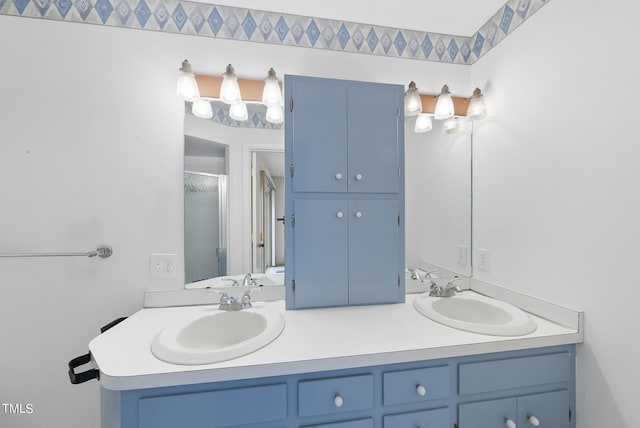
{"x": 348, "y": 367}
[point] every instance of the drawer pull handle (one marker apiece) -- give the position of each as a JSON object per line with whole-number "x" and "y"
{"x": 533, "y": 420}
{"x": 358, "y": 177}
{"x": 338, "y": 401}
{"x": 509, "y": 422}
{"x": 359, "y": 214}
{"x": 421, "y": 390}
{"x": 338, "y": 176}
{"x": 339, "y": 214}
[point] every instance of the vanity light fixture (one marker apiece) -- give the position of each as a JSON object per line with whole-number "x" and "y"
{"x": 477, "y": 109}
{"x": 187, "y": 87}
{"x": 202, "y": 108}
{"x": 229, "y": 89}
{"x": 444, "y": 105}
{"x": 272, "y": 94}
{"x": 275, "y": 114}
{"x": 412, "y": 101}
{"x": 423, "y": 123}
{"x": 238, "y": 111}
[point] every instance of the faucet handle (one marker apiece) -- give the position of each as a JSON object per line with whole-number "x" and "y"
{"x": 451, "y": 285}
{"x": 427, "y": 275}
{"x": 246, "y": 298}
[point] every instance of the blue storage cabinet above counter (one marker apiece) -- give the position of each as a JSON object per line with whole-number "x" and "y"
{"x": 344, "y": 194}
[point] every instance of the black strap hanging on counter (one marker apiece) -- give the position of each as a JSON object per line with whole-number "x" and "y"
{"x": 77, "y": 378}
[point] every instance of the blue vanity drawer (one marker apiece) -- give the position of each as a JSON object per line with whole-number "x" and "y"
{"x": 335, "y": 395}
{"x": 221, "y": 408}
{"x": 426, "y": 418}
{"x": 410, "y": 386}
{"x": 361, "y": 423}
{"x": 511, "y": 373}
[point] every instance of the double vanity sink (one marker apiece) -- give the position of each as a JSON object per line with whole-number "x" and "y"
{"x": 220, "y": 335}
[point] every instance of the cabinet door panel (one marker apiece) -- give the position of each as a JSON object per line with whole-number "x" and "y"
{"x": 551, "y": 409}
{"x": 321, "y": 258}
{"x": 373, "y": 138}
{"x": 374, "y": 245}
{"x": 319, "y": 135}
{"x": 486, "y": 414}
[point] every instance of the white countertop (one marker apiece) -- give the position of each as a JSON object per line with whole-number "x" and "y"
{"x": 312, "y": 340}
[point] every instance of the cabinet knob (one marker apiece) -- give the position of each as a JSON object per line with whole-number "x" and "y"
{"x": 358, "y": 214}
{"x": 533, "y": 420}
{"x": 338, "y": 176}
{"x": 338, "y": 401}
{"x": 339, "y": 214}
{"x": 421, "y": 390}
{"x": 358, "y": 177}
{"x": 509, "y": 422}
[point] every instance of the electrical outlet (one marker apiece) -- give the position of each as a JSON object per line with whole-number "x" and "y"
{"x": 484, "y": 259}
{"x": 462, "y": 254}
{"x": 162, "y": 265}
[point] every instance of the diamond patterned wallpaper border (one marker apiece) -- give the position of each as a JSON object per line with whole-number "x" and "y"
{"x": 207, "y": 20}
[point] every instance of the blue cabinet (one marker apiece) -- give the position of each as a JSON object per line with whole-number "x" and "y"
{"x": 344, "y": 196}
{"x": 431, "y": 394}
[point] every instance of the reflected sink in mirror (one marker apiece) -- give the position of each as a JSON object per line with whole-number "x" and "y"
{"x": 218, "y": 336}
{"x": 257, "y": 280}
{"x": 476, "y": 313}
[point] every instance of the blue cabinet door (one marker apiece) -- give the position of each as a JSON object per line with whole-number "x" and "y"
{"x": 487, "y": 414}
{"x": 374, "y": 129}
{"x": 321, "y": 243}
{"x": 316, "y": 129}
{"x": 551, "y": 410}
{"x": 374, "y": 247}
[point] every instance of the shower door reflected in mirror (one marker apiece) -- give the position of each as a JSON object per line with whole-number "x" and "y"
{"x": 205, "y": 209}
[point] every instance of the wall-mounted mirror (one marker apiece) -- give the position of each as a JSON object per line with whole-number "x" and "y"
{"x": 252, "y": 155}
{"x": 438, "y": 200}
{"x": 437, "y": 184}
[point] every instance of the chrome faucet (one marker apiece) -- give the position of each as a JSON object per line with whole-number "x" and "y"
{"x": 449, "y": 290}
{"x": 247, "y": 280}
{"x": 230, "y": 303}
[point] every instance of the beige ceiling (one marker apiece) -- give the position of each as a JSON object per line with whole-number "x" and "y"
{"x": 454, "y": 17}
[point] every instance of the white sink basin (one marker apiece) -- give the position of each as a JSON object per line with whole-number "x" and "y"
{"x": 476, "y": 313}
{"x": 218, "y": 336}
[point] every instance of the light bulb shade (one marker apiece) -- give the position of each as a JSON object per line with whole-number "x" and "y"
{"x": 202, "y": 109}
{"x": 450, "y": 126}
{"x": 272, "y": 94}
{"x": 239, "y": 112}
{"x": 229, "y": 90}
{"x": 275, "y": 114}
{"x": 444, "y": 105}
{"x": 423, "y": 123}
{"x": 477, "y": 109}
{"x": 187, "y": 87}
{"x": 412, "y": 101}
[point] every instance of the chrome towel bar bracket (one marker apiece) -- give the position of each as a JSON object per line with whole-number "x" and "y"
{"x": 103, "y": 251}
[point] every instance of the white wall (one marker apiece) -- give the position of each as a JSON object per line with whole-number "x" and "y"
{"x": 91, "y": 152}
{"x": 557, "y": 185}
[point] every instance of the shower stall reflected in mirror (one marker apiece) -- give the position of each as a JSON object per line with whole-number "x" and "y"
{"x": 205, "y": 226}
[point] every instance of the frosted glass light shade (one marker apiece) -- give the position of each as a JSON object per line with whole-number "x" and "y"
{"x": 229, "y": 90}
{"x": 239, "y": 112}
{"x": 202, "y": 108}
{"x": 272, "y": 94}
{"x": 477, "y": 109}
{"x": 450, "y": 126}
{"x": 187, "y": 87}
{"x": 423, "y": 123}
{"x": 444, "y": 105}
{"x": 275, "y": 114}
{"x": 412, "y": 101}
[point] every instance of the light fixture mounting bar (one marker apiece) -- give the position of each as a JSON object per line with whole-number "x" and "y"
{"x": 251, "y": 90}
{"x": 460, "y": 104}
